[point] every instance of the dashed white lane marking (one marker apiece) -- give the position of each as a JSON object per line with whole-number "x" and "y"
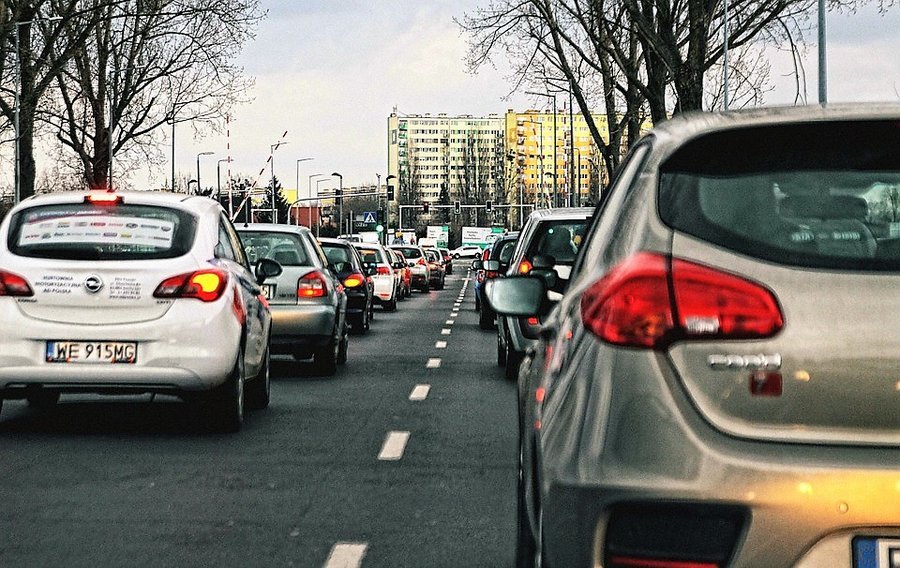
{"x": 433, "y": 363}
{"x": 457, "y": 304}
{"x": 445, "y": 331}
{"x": 393, "y": 447}
{"x": 419, "y": 392}
{"x": 346, "y": 555}
{"x": 449, "y": 322}
{"x": 455, "y": 311}
{"x": 440, "y": 345}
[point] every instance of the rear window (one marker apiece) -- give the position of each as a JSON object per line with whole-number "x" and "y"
{"x": 336, "y": 253}
{"x": 559, "y": 238}
{"x": 370, "y": 256}
{"x": 284, "y": 248}
{"x": 408, "y": 252}
{"x": 820, "y": 195}
{"x": 84, "y": 231}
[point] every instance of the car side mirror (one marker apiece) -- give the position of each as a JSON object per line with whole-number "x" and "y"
{"x": 370, "y": 269}
{"x": 520, "y": 296}
{"x": 266, "y": 268}
{"x": 477, "y": 265}
{"x": 492, "y": 265}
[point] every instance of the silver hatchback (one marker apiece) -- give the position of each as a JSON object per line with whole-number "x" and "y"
{"x": 720, "y": 385}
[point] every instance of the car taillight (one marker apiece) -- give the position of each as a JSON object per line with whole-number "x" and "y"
{"x": 382, "y": 269}
{"x": 14, "y": 285}
{"x": 354, "y": 280}
{"x": 633, "y": 305}
{"x": 524, "y": 266}
{"x": 421, "y": 261}
{"x": 205, "y": 285}
{"x": 312, "y": 285}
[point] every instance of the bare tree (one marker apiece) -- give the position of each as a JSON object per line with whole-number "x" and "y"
{"x": 38, "y": 38}
{"x": 149, "y": 63}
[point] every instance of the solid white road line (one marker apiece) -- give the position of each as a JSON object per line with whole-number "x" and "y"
{"x": 445, "y": 331}
{"x": 440, "y": 345}
{"x": 393, "y": 447}
{"x": 346, "y": 555}
{"x": 433, "y": 363}
{"x": 419, "y": 392}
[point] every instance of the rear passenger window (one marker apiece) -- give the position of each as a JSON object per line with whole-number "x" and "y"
{"x": 820, "y": 195}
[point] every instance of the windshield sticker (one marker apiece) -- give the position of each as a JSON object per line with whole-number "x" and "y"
{"x": 99, "y": 229}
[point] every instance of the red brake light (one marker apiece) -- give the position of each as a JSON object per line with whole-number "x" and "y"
{"x": 205, "y": 285}
{"x": 524, "y": 266}
{"x": 354, "y": 280}
{"x": 103, "y": 198}
{"x": 421, "y": 261}
{"x": 312, "y": 285}
{"x": 14, "y": 285}
{"x": 382, "y": 269}
{"x": 632, "y": 304}
{"x": 638, "y": 562}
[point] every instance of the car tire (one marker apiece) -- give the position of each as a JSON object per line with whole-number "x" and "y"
{"x": 342, "y": 349}
{"x": 43, "y": 400}
{"x": 391, "y": 305}
{"x": 226, "y": 402}
{"x": 486, "y": 318}
{"x": 526, "y": 544}
{"x": 258, "y": 391}
{"x": 426, "y": 288}
{"x": 455, "y": 257}
{"x": 501, "y": 352}
{"x": 513, "y": 360}
{"x": 325, "y": 358}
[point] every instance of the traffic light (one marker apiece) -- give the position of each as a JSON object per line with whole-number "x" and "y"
{"x": 390, "y": 193}
{"x": 488, "y": 206}
{"x": 457, "y": 207}
{"x": 338, "y": 192}
{"x": 379, "y": 216}
{"x": 425, "y": 207}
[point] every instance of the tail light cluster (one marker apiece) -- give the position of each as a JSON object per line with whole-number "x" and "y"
{"x": 672, "y": 536}
{"x": 421, "y": 261}
{"x": 354, "y": 280}
{"x": 206, "y": 285}
{"x": 312, "y": 285}
{"x": 14, "y": 285}
{"x": 383, "y": 269}
{"x": 651, "y": 300}
{"x": 524, "y": 267}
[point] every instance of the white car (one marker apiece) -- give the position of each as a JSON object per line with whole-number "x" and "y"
{"x": 466, "y": 251}
{"x": 375, "y": 257}
{"x": 124, "y": 293}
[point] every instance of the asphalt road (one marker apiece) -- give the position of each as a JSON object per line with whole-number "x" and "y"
{"x": 321, "y": 478}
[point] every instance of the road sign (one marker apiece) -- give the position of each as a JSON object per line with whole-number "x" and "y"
{"x": 368, "y": 217}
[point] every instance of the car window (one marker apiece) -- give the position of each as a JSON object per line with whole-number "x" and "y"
{"x": 224, "y": 247}
{"x": 370, "y": 256}
{"x": 284, "y": 248}
{"x": 823, "y": 205}
{"x": 506, "y": 250}
{"x": 559, "y": 238}
{"x": 84, "y": 231}
{"x": 409, "y": 252}
{"x": 235, "y": 247}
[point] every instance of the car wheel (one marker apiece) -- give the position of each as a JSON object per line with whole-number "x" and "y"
{"x": 441, "y": 284}
{"x": 392, "y": 305}
{"x": 455, "y": 257}
{"x": 486, "y": 318}
{"x": 477, "y": 303}
{"x": 501, "y": 352}
{"x": 43, "y": 399}
{"x": 513, "y": 360}
{"x": 259, "y": 389}
{"x": 227, "y": 400}
{"x": 326, "y": 357}
{"x": 426, "y": 288}
{"x": 342, "y": 350}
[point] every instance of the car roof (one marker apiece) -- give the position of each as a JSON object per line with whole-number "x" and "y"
{"x": 562, "y": 213}
{"x": 194, "y": 203}
{"x": 271, "y": 228}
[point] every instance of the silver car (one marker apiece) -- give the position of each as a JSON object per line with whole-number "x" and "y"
{"x": 123, "y": 293}
{"x": 308, "y": 303}
{"x": 719, "y": 386}
{"x": 551, "y": 236}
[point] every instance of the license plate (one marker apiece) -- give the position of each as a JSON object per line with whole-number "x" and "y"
{"x": 91, "y": 352}
{"x": 872, "y": 552}
{"x": 268, "y": 290}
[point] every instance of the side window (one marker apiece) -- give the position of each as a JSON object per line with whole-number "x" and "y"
{"x": 234, "y": 246}
{"x": 224, "y": 248}
{"x": 313, "y": 244}
{"x": 606, "y": 216}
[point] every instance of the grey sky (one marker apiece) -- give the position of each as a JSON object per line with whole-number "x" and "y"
{"x": 329, "y": 72}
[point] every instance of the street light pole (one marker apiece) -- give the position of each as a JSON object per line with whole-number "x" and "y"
{"x": 200, "y": 187}
{"x": 272, "y": 148}
{"x": 555, "y": 133}
{"x": 219, "y": 177}
{"x": 387, "y": 206}
{"x": 298, "y": 182}
{"x": 318, "y": 181}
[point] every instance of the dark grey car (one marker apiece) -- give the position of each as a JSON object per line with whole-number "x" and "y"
{"x": 719, "y": 386}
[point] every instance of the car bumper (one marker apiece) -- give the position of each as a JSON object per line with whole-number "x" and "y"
{"x": 193, "y": 347}
{"x": 292, "y": 323}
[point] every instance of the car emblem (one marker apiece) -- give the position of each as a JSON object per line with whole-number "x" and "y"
{"x": 93, "y": 283}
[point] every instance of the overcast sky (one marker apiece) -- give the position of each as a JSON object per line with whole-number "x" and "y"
{"x": 329, "y": 72}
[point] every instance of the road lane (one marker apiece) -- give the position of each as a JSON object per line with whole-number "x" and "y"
{"x": 99, "y": 481}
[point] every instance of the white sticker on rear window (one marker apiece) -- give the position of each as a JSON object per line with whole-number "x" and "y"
{"x": 99, "y": 229}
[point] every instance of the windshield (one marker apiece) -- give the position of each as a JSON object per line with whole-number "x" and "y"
{"x": 84, "y": 231}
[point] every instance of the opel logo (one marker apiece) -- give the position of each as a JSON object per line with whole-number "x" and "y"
{"x": 93, "y": 283}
